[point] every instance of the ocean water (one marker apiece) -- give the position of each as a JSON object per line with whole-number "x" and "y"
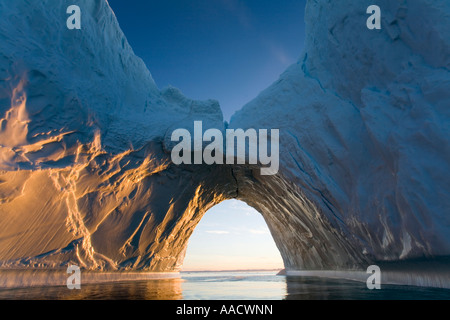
{"x": 229, "y": 286}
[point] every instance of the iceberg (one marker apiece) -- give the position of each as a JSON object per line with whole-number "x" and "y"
{"x": 86, "y": 174}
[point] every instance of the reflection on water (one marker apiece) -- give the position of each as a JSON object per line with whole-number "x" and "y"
{"x": 233, "y": 286}
{"x": 314, "y": 288}
{"x": 168, "y": 289}
{"x": 228, "y": 286}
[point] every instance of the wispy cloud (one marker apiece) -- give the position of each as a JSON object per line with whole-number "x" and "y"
{"x": 243, "y": 230}
{"x": 260, "y": 231}
{"x": 240, "y": 10}
{"x": 281, "y": 55}
{"x": 239, "y": 206}
{"x": 277, "y": 51}
{"x": 217, "y": 232}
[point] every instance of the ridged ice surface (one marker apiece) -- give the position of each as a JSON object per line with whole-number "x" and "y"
{"x": 86, "y": 175}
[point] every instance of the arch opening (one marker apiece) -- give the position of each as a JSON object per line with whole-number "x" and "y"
{"x": 232, "y": 236}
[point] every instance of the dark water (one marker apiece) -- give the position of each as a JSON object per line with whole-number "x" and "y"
{"x": 229, "y": 286}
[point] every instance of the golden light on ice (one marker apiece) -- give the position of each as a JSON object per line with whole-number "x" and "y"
{"x": 14, "y": 126}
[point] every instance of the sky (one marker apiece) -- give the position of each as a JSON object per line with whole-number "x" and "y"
{"x": 228, "y": 50}
{"x": 232, "y": 236}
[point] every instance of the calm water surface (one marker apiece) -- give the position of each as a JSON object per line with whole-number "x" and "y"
{"x": 228, "y": 286}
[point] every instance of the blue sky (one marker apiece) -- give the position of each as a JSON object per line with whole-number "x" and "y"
{"x": 228, "y": 50}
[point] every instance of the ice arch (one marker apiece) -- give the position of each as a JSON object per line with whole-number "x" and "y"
{"x": 232, "y": 236}
{"x": 87, "y": 177}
